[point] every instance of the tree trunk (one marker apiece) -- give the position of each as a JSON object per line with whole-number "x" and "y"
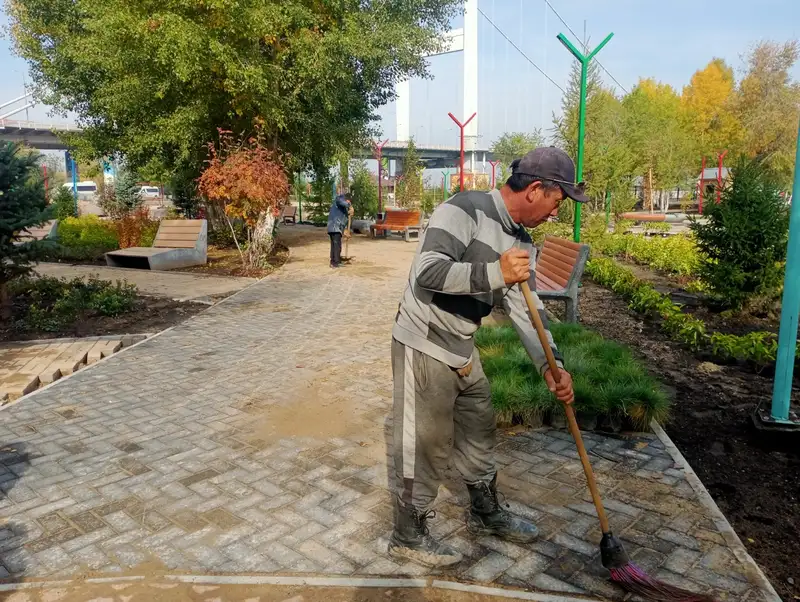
{"x": 5, "y": 302}
{"x": 262, "y": 240}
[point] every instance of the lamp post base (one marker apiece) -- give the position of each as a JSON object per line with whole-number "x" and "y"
{"x": 764, "y": 421}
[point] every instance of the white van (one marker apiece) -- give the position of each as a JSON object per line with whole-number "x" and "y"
{"x": 150, "y": 192}
{"x": 87, "y": 190}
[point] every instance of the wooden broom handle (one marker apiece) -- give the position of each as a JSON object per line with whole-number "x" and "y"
{"x": 573, "y": 424}
{"x": 347, "y": 240}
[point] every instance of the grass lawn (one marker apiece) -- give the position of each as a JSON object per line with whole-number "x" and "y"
{"x": 608, "y": 380}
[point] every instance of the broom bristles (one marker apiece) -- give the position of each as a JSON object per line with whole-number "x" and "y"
{"x": 635, "y": 580}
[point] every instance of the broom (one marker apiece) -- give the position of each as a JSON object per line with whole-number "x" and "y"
{"x": 612, "y": 554}
{"x": 347, "y": 257}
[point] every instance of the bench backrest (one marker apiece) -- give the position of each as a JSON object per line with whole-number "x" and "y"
{"x": 402, "y": 218}
{"x": 560, "y": 264}
{"x": 47, "y": 230}
{"x": 178, "y": 233}
{"x": 289, "y": 211}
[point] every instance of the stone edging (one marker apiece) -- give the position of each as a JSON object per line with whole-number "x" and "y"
{"x": 722, "y": 524}
{"x": 345, "y": 582}
{"x": 149, "y": 338}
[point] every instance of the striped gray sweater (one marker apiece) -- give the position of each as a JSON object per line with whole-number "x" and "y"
{"x": 455, "y": 281}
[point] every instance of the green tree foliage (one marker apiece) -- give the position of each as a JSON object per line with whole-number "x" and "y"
{"x": 63, "y": 202}
{"x": 364, "y": 191}
{"x": 608, "y": 160}
{"x": 123, "y": 196}
{"x": 23, "y": 205}
{"x": 409, "y": 190}
{"x": 155, "y": 81}
{"x": 743, "y": 239}
{"x": 656, "y": 134}
{"x": 318, "y": 205}
{"x": 513, "y": 145}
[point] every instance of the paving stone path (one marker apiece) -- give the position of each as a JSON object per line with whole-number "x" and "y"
{"x": 254, "y": 438}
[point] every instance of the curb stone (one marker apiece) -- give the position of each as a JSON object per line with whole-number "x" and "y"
{"x": 726, "y": 530}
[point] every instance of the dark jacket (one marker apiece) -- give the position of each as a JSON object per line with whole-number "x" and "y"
{"x": 337, "y": 218}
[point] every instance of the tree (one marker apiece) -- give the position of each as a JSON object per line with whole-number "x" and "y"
{"x": 248, "y": 180}
{"x": 657, "y": 136}
{"x": 768, "y": 106}
{"x": 23, "y": 205}
{"x": 155, "y": 81}
{"x": 743, "y": 238}
{"x": 607, "y": 159}
{"x": 63, "y": 203}
{"x": 122, "y": 197}
{"x": 409, "y": 191}
{"x": 566, "y": 124}
{"x": 514, "y": 145}
{"x": 709, "y": 104}
{"x": 364, "y": 191}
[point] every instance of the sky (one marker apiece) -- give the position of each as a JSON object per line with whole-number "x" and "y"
{"x": 665, "y": 39}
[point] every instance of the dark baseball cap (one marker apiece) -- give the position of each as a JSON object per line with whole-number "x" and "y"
{"x": 551, "y": 163}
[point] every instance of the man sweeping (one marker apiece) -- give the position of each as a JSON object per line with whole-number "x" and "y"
{"x": 473, "y": 252}
{"x": 341, "y": 209}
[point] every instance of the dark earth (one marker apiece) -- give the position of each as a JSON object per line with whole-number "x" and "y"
{"x": 151, "y": 316}
{"x": 754, "y": 478}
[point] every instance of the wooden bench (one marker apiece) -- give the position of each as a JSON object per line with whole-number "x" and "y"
{"x": 289, "y": 212}
{"x": 559, "y": 268}
{"x": 46, "y": 231}
{"x": 179, "y": 243}
{"x": 407, "y": 222}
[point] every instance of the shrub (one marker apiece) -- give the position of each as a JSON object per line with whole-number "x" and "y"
{"x": 86, "y": 237}
{"x": 743, "y": 240}
{"x": 759, "y": 348}
{"x": 51, "y": 304}
{"x": 136, "y": 229}
{"x": 607, "y": 379}
{"x": 122, "y": 197}
{"x": 63, "y": 203}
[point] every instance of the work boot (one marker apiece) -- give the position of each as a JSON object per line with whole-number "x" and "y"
{"x": 488, "y": 517}
{"x": 411, "y": 539}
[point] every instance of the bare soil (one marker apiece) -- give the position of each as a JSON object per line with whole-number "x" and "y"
{"x": 228, "y": 262}
{"x": 153, "y": 315}
{"x": 754, "y": 478}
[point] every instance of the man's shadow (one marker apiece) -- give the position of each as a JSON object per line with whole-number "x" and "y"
{"x": 14, "y": 461}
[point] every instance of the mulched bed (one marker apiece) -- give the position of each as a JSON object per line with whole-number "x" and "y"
{"x": 153, "y": 315}
{"x": 754, "y": 479}
{"x": 228, "y": 262}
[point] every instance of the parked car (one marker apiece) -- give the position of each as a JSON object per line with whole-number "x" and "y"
{"x": 150, "y": 192}
{"x": 87, "y": 190}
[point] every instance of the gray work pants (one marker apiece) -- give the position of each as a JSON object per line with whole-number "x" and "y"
{"x": 436, "y": 410}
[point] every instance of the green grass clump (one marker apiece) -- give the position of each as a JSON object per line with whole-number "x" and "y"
{"x": 607, "y": 379}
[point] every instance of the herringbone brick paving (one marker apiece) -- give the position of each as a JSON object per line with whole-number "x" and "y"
{"x": 255, "y": 438}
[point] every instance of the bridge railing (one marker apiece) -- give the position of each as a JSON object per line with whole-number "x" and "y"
{"x": 16, "y": 124}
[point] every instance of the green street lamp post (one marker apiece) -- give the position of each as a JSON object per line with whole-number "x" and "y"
{"x": 781, "y": 414}
{"x": 584, "y": 60}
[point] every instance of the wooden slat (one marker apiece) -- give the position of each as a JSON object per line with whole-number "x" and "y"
{"x": 541, "y": 285}
{"x": 175, "y": 230}
{"x": 554, "y": 276}
{"x": 553, "y": 286}
{"x": 570, "y": 260}
{"x": 553, "y": 271}
{"x": 181, "y": 222}
{"x": 174, "y": 244}
{"x": 563, "y": 242}
{"x": 568, "y": 254}
{"x": 556, "y": 259}
{"x": 176, "y": 236}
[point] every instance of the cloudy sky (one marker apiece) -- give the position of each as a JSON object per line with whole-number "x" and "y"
{"x": 667, "y": 40}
